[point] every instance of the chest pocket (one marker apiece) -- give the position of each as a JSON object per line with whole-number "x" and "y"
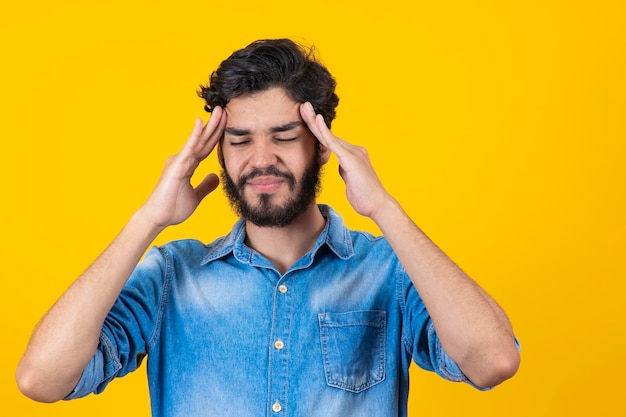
{"x": 353, "y": 348}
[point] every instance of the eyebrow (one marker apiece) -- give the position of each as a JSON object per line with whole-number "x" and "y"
{"x": 286, "y": 127}
{"x": 235, "y": 131}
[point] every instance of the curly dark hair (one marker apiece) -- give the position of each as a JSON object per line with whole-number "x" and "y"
{"x": 268, "y": 63}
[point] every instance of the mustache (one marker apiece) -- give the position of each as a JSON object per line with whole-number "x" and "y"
{"x": 269, "y": 171}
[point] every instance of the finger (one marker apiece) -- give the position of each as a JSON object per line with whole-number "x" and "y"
{"x": 187, "y": 151}
{"x": 328, "y": 139}
{"x": 318, "y": 127}
{"x": 203, "y": 139}
{"x": 218, "y": 133}
{"x": 308, "y": 115}
{"x": 212, "y": 125}
{"x": 208, "y": 184}
{"x": 215, "y": 132}
{"x": 200, "y": 135}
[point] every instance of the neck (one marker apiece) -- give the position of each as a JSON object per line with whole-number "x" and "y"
{"x": 283, "y": 246}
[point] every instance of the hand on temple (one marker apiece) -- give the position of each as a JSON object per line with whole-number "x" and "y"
{"x": 174, "y": 199}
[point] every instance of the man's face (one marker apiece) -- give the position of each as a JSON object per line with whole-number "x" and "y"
{"x": 271, "y": 161}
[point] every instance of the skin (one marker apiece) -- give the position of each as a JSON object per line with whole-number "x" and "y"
{"x": 259, "y": 117}
{"x": 473, "y": 329}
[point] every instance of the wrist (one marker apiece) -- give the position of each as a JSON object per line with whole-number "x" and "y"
{"x": 388, "y": 210}
{"x": 142, "y": 224}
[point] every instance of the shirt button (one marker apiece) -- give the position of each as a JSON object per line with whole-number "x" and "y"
{"x": 277, "y": 407}
{"x": 282, "y": 288}
{"x": 279, "y": 344}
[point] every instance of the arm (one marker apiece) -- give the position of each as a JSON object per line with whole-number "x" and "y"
{"x": 473, "y": 330}
{"x": 67, "y": 336}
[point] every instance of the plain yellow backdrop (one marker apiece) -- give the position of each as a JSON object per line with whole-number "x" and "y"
{"x": 500, "y": 126}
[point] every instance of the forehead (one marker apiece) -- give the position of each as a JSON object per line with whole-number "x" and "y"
{"x": 262, "y": 111}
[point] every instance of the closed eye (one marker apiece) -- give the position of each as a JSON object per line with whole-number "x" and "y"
{"x": 239, "y": 142}
{"x": 285, "y": 139}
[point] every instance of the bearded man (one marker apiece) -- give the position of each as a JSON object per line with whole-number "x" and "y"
{"x": 291, "y": 314}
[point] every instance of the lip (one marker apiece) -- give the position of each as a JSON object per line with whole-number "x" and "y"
{"x": 266, "y": 184}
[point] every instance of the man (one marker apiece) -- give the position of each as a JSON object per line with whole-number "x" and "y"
{"x": 291, "y": 313}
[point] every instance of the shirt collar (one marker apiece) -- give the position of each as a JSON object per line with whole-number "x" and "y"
{"x": 335, "y": 235}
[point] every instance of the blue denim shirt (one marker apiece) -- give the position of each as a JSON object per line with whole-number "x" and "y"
{"x": 226, "y": 334}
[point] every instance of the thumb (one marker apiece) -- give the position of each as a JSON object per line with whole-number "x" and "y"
{"x": 208, "y": 184}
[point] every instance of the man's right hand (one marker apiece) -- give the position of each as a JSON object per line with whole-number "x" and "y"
{"x": 174, "y": 199}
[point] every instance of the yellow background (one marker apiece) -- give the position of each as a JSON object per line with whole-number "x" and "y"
{"x": 499, "y": 126}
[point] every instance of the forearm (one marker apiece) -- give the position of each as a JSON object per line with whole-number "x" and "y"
{"x": 474, "y": 331}
{"x": 66, "y": 338}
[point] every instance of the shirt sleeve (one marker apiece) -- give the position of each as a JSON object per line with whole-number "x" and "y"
{"x": 129, "y": 327}
{"x": 99, "y": 371}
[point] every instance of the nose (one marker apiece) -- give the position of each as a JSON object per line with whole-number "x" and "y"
{"x": 262, "y": 154}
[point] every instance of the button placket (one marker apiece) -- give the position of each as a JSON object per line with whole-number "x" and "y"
{"x": 279, "y": 356}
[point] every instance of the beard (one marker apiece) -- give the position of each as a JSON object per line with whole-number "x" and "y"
{"x": 266, "y": 213}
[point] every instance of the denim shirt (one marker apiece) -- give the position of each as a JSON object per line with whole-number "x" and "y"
{"x": 225, "y": 334}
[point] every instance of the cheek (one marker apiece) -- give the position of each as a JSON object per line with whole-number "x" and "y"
{"x": 231, "y": 164}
